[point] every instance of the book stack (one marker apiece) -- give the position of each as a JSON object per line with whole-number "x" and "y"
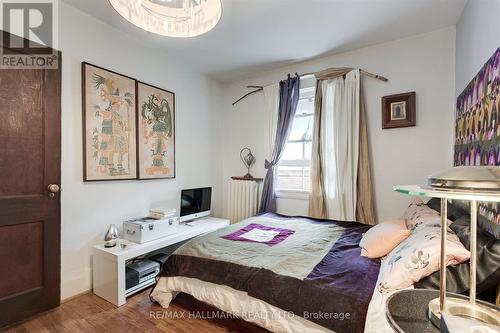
{"x": 161, "y": 213}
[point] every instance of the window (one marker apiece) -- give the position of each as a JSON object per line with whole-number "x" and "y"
{"x": 293, "y": 170}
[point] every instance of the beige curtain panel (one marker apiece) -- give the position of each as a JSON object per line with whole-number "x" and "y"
{"x": 341, "y": 186}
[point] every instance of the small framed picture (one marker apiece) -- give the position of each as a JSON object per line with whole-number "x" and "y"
{"x": 398, "y": 110}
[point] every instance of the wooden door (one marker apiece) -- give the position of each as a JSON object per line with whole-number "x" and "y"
{"x": 30, "y": 161}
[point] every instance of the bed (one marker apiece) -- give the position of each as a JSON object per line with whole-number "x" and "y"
{"x": 286, "y": 274}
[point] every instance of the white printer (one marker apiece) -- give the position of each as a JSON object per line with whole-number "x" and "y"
{"x": 146, "y": 229}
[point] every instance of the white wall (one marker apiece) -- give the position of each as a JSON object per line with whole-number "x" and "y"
{"x": 478, "y": 36}
{"x": 88, "y": 208}
{"x": 423, "y": 63}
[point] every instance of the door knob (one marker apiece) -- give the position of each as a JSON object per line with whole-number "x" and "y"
{"x": 53, "y": 189}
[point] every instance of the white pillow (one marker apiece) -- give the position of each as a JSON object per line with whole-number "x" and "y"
{"x": 418, "y": 256}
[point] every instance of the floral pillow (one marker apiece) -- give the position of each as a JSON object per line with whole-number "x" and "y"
{"x": 419, "y": 214}
{"x": 418, "y": 256}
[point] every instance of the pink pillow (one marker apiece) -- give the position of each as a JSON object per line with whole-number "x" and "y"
{"x": 381, "y": 239}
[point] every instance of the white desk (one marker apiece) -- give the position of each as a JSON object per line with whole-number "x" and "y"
{"x": 108, "y": 264}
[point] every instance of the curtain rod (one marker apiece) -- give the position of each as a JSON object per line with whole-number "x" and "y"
{"x": 362, "y": 71}
{"x": 260, "y": 88}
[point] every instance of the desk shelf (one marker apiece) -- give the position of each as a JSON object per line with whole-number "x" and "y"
{"x": 108, "y": 264}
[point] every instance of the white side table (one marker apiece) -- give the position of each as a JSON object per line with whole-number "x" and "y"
{"x": 108, "y": 264}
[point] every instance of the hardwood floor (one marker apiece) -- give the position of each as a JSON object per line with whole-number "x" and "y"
{"x": 90, "y": 313}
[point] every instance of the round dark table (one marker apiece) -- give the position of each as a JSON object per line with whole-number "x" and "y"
{"x": 406, "y": 310}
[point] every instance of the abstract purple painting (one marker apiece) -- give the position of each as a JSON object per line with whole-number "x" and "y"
{"x": 477, "y": 130}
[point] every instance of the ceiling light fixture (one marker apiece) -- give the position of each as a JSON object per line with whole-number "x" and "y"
{"x": 172, "y": 18}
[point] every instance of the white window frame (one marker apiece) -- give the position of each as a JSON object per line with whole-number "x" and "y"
{"x": 295, "y": 194}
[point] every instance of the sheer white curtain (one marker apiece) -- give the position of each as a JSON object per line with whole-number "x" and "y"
{"x": 271, "y": 104}
{"x": 340, "y": 120}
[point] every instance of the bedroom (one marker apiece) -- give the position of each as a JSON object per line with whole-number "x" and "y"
{"x": 59, "y": 275}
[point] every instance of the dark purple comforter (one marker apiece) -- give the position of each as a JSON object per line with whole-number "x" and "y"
{"x": 335, "y": 293}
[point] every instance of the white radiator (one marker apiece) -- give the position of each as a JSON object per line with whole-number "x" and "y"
{"x": 243, "y": 199}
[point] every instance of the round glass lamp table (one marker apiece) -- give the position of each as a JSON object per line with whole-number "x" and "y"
{"x": 474, "y": 184}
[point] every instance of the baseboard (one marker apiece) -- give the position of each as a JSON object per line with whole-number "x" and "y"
{"x": 70, "y": 298}
{"x": 75, "y": 282}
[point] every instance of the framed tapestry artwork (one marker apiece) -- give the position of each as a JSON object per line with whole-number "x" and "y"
{"x": 477, "y": 131}
{"x": 398, "y": 110}
{"x": 156, "y": 132}
{"x": 109, "y": 125}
